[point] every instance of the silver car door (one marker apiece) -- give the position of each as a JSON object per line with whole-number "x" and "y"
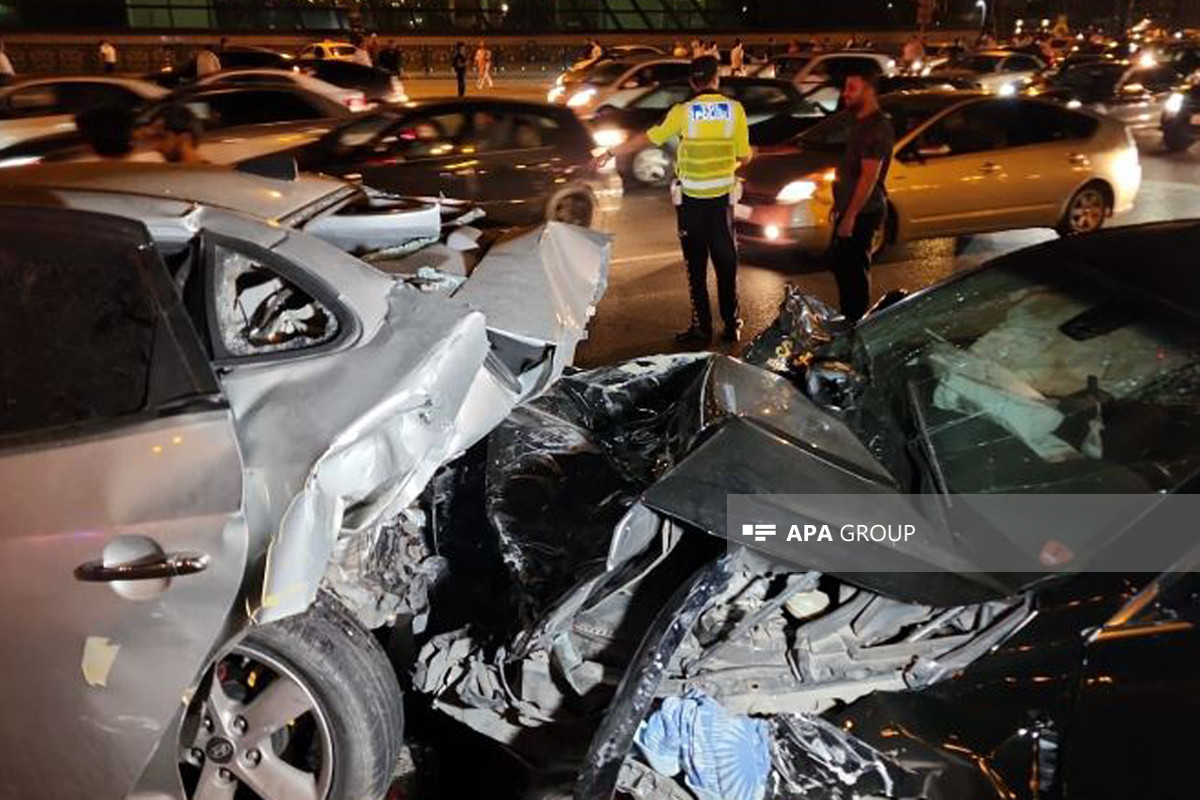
{"x": 122, "y": 546}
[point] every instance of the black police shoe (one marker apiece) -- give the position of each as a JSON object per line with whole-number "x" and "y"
{"x": 694, "y": 336}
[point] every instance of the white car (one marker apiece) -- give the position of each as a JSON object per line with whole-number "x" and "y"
{"x": 224, "y": 411}
{"x": 1003, "y": 72}
{"x": 43, "y": 106}
{"x": 333, "y": 51}
{"x": 818, "y": 75}
{"x": 614, "y": 83}
{"x": 350, "y": 98}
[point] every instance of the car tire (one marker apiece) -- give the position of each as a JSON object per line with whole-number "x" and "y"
{"x": 1176, "y": 142}
{"x": 572, "y": 206}
{"x": 1086, "y": 211}
{"x": 346, "y": 736}
{"x": 652, "y": 166}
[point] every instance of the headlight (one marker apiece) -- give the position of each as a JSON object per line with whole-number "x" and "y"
{"x": 1074, "y": 104}
{"x": 554, "y": 94}
{"x": 1007, "y": 90}
{"x": 609, "y": 137}
{"x": 1174, "y": 103}
{"x": 581, "y": 98}
{"x": 796, "y": 191}
{"x": 560, "y": 80}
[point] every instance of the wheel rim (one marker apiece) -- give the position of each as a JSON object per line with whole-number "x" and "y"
{"x": 651, "y": 165}
{"x": 256, "y": 730}
{"x": 575, "y": 209}
{"x": 1087, "y": 211}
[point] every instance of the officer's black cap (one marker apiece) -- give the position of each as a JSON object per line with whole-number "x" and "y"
{"x": 704, "y": 69}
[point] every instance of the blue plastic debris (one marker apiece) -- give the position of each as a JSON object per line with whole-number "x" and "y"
{"x": 722, "y": 756}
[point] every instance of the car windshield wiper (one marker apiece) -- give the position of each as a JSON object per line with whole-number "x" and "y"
{"x": 922, "y": 426}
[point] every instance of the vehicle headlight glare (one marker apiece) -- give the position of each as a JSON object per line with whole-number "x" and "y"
{"x": 581, "y": 98}
{"x": 555, "y": 93}
{"x": 609, "y": 137}
{"x": 796, "y": 191}
{"x": 1174, "y": 103}
{"x": 1007, "y": 90}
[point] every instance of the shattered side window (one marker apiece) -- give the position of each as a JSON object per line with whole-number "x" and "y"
{"x": 259, "y": 311}
{"x": 1018, "y": 379}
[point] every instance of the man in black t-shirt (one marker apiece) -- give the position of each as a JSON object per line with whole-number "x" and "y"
{"x": 459, "y": 62}
{"x": 859, "y": 198}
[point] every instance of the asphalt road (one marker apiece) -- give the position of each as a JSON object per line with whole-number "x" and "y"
{"x": 647, "y": 303}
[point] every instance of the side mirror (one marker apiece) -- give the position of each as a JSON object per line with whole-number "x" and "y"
{"x": 933, "y": 150}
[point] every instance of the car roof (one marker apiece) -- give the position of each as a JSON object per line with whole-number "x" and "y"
{"x": 480, "y": 102}
{"x": 139, "y": 85}
{"x": 207, "y": 185}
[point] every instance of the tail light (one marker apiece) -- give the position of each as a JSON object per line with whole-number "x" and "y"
{"x": 356, "y": 103}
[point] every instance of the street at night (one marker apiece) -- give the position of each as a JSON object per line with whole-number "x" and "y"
{"x": 638, "y": 399}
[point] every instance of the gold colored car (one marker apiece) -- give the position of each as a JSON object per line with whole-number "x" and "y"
{"x": 963, "y": 163}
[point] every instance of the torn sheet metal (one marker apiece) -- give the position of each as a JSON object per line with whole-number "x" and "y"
{"x": 815, "y": 759}
{"x": 377, "y": 221}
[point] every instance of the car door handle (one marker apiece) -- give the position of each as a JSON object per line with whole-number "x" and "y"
{"x": 989, "y": 167}
{"x": 1079, "y": 159}
{"x": 168, "y": 566}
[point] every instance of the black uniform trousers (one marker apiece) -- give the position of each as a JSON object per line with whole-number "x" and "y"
{"x": 461, "y": 76}
{"x": 851, "y": 257}
{"x": 706, "y": 231}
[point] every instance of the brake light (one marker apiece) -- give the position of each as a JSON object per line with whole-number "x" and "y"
{"x": 356, "y": 102}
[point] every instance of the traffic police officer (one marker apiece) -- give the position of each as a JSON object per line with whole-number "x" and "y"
{"x": 714, "y": 143}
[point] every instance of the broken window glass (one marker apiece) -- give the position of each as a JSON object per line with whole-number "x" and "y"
{"x": 260, "y": 311}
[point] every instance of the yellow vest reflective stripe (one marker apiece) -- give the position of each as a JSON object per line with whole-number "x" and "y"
{"x": 706, "y": 160}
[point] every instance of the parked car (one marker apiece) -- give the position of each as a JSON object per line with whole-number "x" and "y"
{"x": 231, "y": 57}
{"x": 43, "y": 106}
{"x": 819, "y": 76}
{"x": 521, "y": 162}
{"x": 239, "y": 122}
{"x": 1181, "y": 118}
{"x": 775, "y": 110}
{"x": 680, "y": 653}
{"x": 999, "y": 71}
{"x": 1128, "y": 92}
{"x": 615, "y": 82}
{"x": 350, "y": 98}
{"x": 229, "y": 405}
{"x": 377, "y": 85}
{"x": 330, "y": 50}
{"x": 963, "y": 163}
{"x": 614, "y": 52}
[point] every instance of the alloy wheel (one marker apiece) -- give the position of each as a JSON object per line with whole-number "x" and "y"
{"x": 255, "y": 731}
{"x": 651, "y": 166}
{"x": 575, "y": 209}
{"x": 1087, "y": 210}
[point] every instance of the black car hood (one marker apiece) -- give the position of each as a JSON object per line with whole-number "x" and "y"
{"x": 767, "y": 174}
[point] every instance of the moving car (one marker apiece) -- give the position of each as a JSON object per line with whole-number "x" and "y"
{"x": 1181, "y": 118}
{"x": 330, "y": 50}
{"x": 231, "y": 57}
{"x": 377, "y": 85}
{"x": 775, "y": 110}
{"x": 615, "y": 83}
{"x": 239, "y": 122}
{"x": 614, "y": 52}
{"x": 42, "y": 106}
{"x": 1128, "y": 92}
{"x": 679, "y": 656}
{"x": 351, "y": 99}
{"x": 230, "y": 408}
{"x": 963, "y": 163}
{"x": 819, "y": 76}
{"x": 521, "y": 162}
{"x": 999, "y": 71}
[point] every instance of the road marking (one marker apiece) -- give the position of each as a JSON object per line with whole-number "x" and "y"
{"x": 667, "y": 254}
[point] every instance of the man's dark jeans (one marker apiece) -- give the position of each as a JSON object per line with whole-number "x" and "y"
{"x": 851, "y": 257}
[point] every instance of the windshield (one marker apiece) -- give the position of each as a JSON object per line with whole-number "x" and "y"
{"x": 1089, "y": 79}
{"x": 360, "y": 131}
{"x": 907, "y": 113}
{"x": 977, "y": 63}
{"x": 1039, "y": 378}
{"x": 606, "y": 72}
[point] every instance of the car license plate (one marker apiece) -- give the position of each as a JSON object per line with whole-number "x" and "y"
{"x": 1196, "y": 119}
{"x": 742, "y": 211}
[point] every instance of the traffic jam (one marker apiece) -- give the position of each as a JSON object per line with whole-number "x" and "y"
{"x": 314, "y": 490}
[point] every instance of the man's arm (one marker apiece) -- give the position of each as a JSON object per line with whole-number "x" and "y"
{"x": 672, "y": 125}
{"x": 742, "y": 150}
{"x": 866, "y": 184}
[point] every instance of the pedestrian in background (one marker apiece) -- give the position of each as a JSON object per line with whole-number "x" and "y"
{"x": 459, "y": 63}
{"x": 737, "y": 58}
{"x": 679, "y": 50}
{"x": 859, "y": 197}
{"x": 697, "y": 48}
{"x": 108, "y": 56}
{"x": 595, "y": 51}
{"x": 372, "y": 48}
{"x": 483, "y": 66}
{"x": 714, "y": 142}
{"x": 7, "y": 73}
{"x": 207, "y": 62}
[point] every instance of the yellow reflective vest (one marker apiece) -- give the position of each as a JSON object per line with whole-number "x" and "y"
{"x": 713, "y": 135}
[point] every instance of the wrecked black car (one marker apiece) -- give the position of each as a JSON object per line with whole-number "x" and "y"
{"x": 652, "y": 649}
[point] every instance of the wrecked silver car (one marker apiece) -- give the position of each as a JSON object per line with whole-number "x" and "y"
{"x": 652, "y": 650}
{"x": 213, "y": 414}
